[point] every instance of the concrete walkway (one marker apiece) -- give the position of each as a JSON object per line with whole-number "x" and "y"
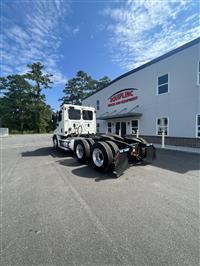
{"x": 178, "y": 148}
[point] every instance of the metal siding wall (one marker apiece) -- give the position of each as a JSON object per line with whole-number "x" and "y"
{"x": 181, "y": 104}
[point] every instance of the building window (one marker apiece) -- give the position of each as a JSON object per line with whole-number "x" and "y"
{"x": 98, "y": 104}
{"x": 162, "y": 124}
{"x": 98, "y": 127}
{"x": 134, "y": 127}
{"x": 163, "y": 84}
{"x": 198, "y": 73}
{"x": 109, "y": 127}
{"x": 198, "y": 126}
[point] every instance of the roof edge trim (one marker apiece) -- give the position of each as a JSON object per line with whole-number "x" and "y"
{"x": 172, "y": 52}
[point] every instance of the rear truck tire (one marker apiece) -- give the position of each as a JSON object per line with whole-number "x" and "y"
{"x": 114, "y": 147}
{"x": 112, "y": 136}
{"x": 143, "y": 140}
{"x": 55, "y": 143}
{"x": 132, "y": 138}
{"x": 102, "y": 156}
{"x": 90, "y": 142}
{"x": 82, "y": 150}
{"x": 115, "y": 152}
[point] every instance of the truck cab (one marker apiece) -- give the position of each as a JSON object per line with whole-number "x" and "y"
{"x": 75, "y": 120}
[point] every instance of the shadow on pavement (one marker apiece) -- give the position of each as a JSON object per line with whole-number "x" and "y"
{"x": 86, "y": 171}
{"x": 176, "y": 161}
{"x": 70, "y": 162}
{"x": 46, "y": 151}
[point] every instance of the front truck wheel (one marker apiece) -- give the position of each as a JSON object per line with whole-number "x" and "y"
{"x": 55, "y": 143}
{"x": 102, "y": 156}
{"x": 82, "y": 150}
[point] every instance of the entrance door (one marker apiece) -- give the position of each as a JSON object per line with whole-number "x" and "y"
{"x": 123, "y": 128}
{"x": 120, "y": 128}
{"x": 117, "y": 128}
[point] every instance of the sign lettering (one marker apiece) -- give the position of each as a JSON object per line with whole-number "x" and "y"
{"x": 122, "y": 96}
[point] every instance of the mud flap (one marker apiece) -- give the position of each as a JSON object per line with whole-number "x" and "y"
{"x": 151, "y": 152}
{"x": 121, "y": 164}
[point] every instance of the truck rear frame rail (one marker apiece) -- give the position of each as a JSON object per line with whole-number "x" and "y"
{"x": 107, "y": 152}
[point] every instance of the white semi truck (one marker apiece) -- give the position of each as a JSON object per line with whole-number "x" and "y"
{"x": 76, "y": 131}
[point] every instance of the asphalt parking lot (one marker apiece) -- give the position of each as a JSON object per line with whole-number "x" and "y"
{"x": 55, "y": 211}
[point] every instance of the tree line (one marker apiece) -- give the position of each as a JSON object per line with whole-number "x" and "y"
{"x": 81, "y": 86}
{"x": 23, "y": 106}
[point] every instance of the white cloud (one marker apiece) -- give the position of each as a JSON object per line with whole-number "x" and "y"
{"x": 59, "y": 78}
{"x": 35, "y": 36}
{"x": 76, "y": 30}
{"x": 145, "y": 29}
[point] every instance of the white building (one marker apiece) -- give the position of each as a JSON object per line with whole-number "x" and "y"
{"x": 163, "y": 94}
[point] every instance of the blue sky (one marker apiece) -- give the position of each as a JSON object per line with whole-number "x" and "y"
{"x": 99, "y": 37}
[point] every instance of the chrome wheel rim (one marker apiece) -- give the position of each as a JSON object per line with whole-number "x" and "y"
{"x": 97, "y": 157}
{"x": 79, "y": 151}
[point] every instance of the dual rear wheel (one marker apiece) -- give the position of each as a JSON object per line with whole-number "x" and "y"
{"x": 101, "y": 153}
{"x": 82, "y": 150}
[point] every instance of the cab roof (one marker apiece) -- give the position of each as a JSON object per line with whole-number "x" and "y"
{"x": 78, "y": 107}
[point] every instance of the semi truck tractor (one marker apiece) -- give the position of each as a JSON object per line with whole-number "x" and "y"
{"x": 76, "y": 131}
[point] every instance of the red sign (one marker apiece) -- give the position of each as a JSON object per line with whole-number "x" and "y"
{"x": 122, "y": 96}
